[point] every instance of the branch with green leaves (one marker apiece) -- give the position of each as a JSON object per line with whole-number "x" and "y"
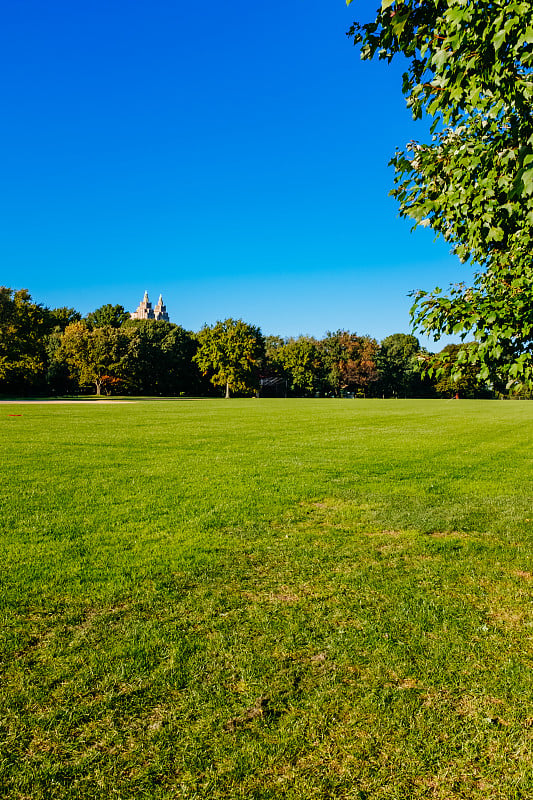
{"x": 469, "y": 68}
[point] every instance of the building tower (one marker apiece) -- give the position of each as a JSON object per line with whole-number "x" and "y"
{"x": 144, "y": 311}
{"x": 160, "y": 311}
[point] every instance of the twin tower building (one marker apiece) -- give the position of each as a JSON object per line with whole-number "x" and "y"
{"x": 145, "y": 310}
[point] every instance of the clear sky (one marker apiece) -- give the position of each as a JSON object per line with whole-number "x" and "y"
{"x": 232, "y": 156}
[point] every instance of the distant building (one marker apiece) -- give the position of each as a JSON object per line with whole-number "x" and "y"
{"x": 160, "y": 311}
{"x": 145, "y": 310}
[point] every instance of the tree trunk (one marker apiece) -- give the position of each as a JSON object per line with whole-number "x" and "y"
{"x": 98, "y": 388}
{"x": 227, "y": 390}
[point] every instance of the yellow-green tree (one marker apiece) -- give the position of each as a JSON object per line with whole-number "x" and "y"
{"x": 96, "y": 354}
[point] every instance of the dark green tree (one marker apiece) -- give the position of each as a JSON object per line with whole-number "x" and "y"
{"x": 59, "y": 376}
{"x": 107, "y": 316}
{"x": 300, "y": 363}
{"x": 59, "y": 379}
{"x": 230, "y": 353}
{"x": 61, "y": 317}
{"x": 161, "y": 358}
{"x": 469, "y": 68}
{"x": 272, "y": 376}
{"x": 399, "y": 361}
{"x": 24, "y": 327}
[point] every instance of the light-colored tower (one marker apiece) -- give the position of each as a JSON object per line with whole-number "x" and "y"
{"x": 160, "y": 311}
{"x": 144, "y": 311}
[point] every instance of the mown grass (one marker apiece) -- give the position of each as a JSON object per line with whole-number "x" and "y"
{"x": 249, "y": 599}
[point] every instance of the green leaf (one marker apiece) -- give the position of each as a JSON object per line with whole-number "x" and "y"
{"x": 495, "y": 235}
{"x": 440, "y": 57}
{"x": 499, "y": 39}
{"x": 527, "y": 180}
{"x": 398, "y": 23}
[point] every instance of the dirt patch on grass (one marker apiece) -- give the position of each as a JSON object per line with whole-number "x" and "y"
{"x": 409, "y": 683}
{"x": 330, "y": 503}
{"x": 449, "y": 535}
{"x": 509, "y": 617}
{"x": 323, "y": 517}
{"x": 157, "y": 718}
{"x": 284, "y": 597}
{"x": 389, "y": 534}
{"x": 63, "y": 402}
{"x": 273, "y": 597}
{"x": 255, "y": 711}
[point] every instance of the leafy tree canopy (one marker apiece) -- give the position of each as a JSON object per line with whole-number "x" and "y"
{"x": 61, "y": 317}
{"x": 400, "y": 357}
{"x": 349, "y": 360}
{"x": 229, "y": 352}
{"x": 107, "y": 314}
{"x": 273, "y": 344}
{"x": 299, "y": 361}
{"x": 460, "y": 381}
{"x": 161, "y": 358}
{"x": 23, "y": 328}
{"x": 96, "y": 353}
{"x": 469, "y": 67}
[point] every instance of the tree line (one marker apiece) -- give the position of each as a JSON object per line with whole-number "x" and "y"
{"x": 56, "y": 352}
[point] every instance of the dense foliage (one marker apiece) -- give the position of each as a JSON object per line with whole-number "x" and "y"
{"x": 56, "y": 352}
{"x": 350, "y": 361}
{"x": 230, "y": 352}
{"x": 107, "y": 315}
{"x": 98, "y": 355}
{"x": 469, "y": 68}
{"x": 24, "y": 327}
{"x": 297, "y": 362}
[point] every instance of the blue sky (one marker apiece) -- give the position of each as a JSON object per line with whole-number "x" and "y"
{"x": 232, "y": 156}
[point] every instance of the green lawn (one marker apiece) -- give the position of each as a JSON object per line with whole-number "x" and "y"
{"x": 257, "y": 598}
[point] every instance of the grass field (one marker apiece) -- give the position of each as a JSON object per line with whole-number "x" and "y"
{"x": 258, "y": 598}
